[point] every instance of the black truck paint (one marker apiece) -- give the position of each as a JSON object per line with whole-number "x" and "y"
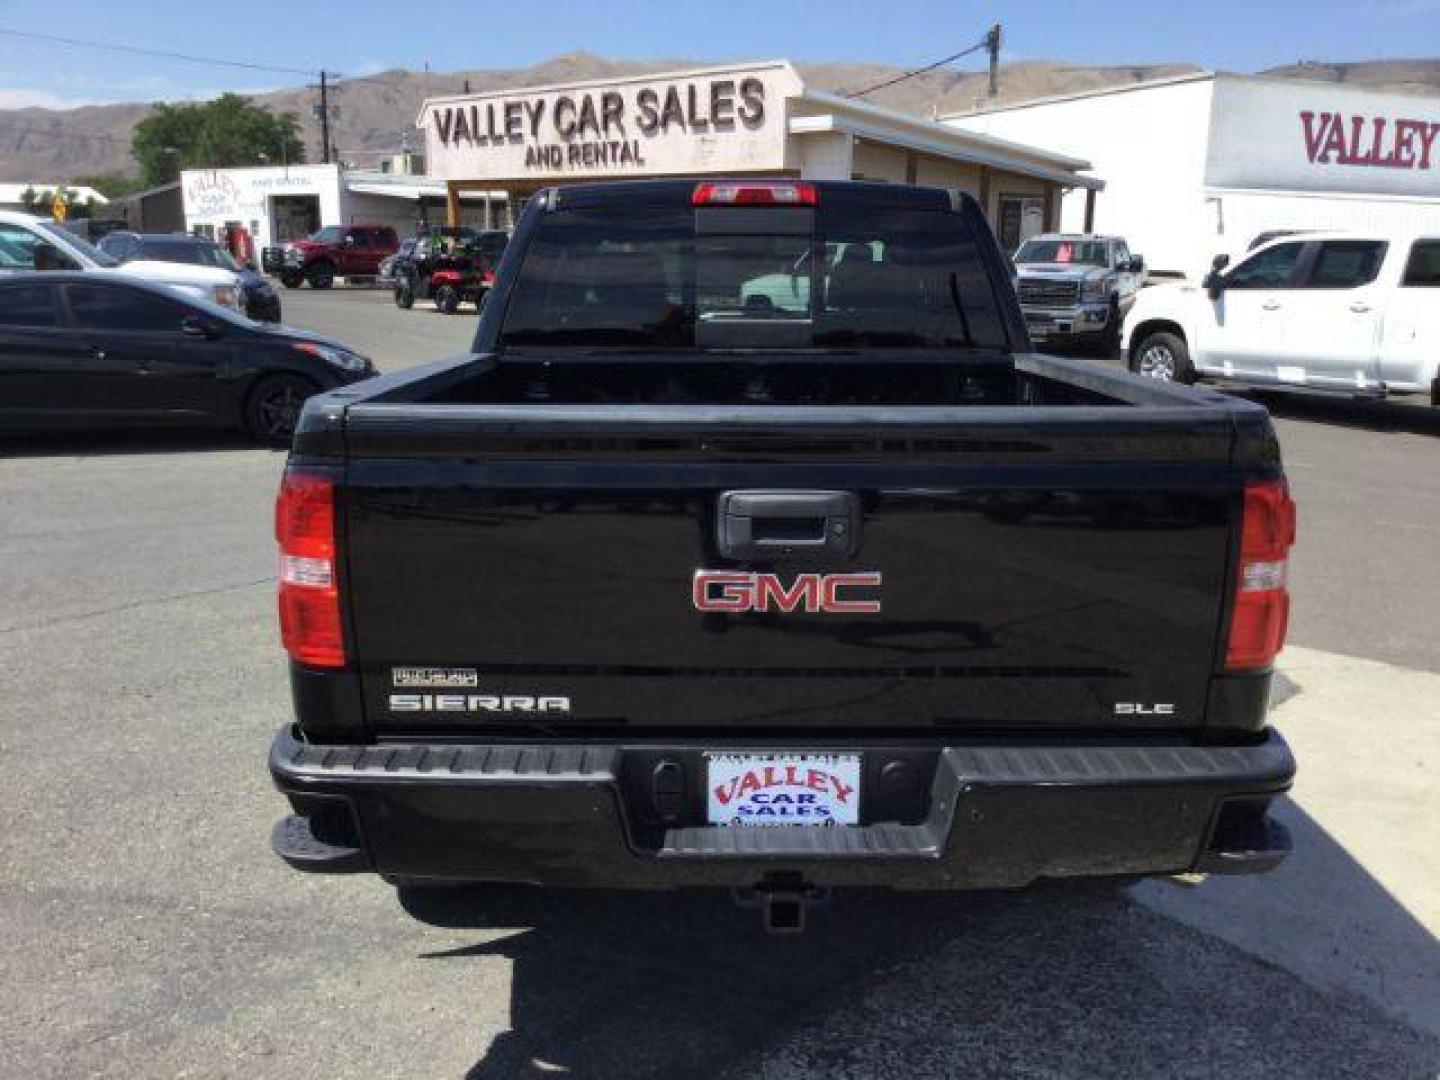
{"x": 1042, "y": 693}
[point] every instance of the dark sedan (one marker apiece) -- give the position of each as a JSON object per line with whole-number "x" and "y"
{"x": 103, "y": 350}
{"x": 258, "y": 296}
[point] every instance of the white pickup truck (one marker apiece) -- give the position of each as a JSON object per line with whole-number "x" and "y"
{"x": 1353, "y": 312}
{"x": 29, "y": 243}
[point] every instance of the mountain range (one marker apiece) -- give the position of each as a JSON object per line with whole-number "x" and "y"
{"x": 376, "y": 112}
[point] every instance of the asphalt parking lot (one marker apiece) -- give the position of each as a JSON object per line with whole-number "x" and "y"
{"x": 145, "y": 929}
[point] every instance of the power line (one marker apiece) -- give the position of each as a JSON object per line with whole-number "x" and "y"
{"x": 981, "y": 44}
{"x": 139, "y": 51}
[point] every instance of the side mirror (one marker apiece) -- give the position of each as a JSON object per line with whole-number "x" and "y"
{"x": 1215, "y": 281}
{"x": 193, "y": 326}
{"x": 1137, "y": 264}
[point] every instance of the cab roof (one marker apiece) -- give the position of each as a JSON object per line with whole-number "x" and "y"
{"x": 854, "y": 193}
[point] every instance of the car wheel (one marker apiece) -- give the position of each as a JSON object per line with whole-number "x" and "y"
{"x": 321, "y": 275}
{"x": 404, "y": 298}
{"x": 1163, "y": 356}
{"x": 447, "y": 299}
{"x": 291, "y": 279}
{"x": 273, "y": 407}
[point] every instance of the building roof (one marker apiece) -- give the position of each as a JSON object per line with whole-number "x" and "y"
{"x": 1081, "y": 95}
{"x": 134, "y": 196}
{"x": 819, "y": 110}
{"x": 11, "y": 193}
{"x": 404, "y": 186}
{"x": 1177, "y": 80}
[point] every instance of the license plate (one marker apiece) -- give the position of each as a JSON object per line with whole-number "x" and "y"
{"x": 782, "y": 789}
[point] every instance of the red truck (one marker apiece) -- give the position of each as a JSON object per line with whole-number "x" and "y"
{"x": 331, "y": 252}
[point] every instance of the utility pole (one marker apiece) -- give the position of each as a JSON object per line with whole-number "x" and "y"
{"x": 992, "y": 45}
{"x": 325, "y": 115}
{"x": 324, "y": 112}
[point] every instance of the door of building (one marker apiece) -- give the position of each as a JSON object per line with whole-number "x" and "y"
{"x": 1021, "y": 217}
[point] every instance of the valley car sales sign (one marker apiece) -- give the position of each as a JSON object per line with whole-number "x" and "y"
{"x": 1284, "y": 135}
{"x": 709, "y": 121}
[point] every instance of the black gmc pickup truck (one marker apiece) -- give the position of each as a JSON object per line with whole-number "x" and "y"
{"x": 751, "y": 507}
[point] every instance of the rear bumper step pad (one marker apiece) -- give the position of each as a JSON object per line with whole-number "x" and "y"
{"x": 565, "y": 814}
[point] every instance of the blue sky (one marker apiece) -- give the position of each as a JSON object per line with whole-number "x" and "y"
{"x": 363, "y": 36}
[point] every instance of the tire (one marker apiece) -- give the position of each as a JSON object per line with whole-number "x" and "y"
{"x": 1164, "y": 356}
{"x": 292, "y": 279}
{"x": 404, "y": 297}
{"x": 321, "y": 275}
{"x": 274, "y": 405}
{"x": 447, "y": 299}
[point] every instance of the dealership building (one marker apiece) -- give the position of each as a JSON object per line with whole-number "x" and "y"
{"x": 1199, "y": 165}
{"x": 276, "y": 203}
{"x": 750, "y": 120}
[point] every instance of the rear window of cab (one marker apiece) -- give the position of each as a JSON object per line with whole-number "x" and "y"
{"x": 899, "y": 278}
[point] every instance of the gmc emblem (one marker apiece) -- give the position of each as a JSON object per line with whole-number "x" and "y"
{"x": 737, "y": 590}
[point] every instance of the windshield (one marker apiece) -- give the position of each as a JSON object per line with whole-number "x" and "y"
{"x": 212, "y": 310}
{"x": 63, "y": 238}
{"x": 194, "y": 253}
{"x": 1084, "y": 252}
{"x": 328, "y": 235}
{"x": 885, "y": 277}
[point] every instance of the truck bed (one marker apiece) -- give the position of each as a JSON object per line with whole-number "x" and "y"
{"x": 971, "y": 381}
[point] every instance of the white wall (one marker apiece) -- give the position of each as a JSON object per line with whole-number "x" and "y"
{"x": 1149, "y": 146}
{"x": 402, "y": 215}
{"x": 874, "y": 162}
{"x": 824, "y": 155}
{"x": 937, "y": 172}
{"x": 214, "y": 196}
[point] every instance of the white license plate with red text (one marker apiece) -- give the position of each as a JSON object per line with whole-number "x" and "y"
{"x": 782, "y": 789}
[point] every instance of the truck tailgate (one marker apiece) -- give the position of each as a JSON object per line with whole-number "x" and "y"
{"x": 1039, "y": 568}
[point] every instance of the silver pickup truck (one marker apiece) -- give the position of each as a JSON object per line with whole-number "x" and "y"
{"x": 1076, "y": 288}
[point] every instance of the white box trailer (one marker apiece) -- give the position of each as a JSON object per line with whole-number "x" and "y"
{"x": 1198, "y": 165}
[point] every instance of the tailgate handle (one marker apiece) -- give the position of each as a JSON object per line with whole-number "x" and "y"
{"x": 766, "y": 524}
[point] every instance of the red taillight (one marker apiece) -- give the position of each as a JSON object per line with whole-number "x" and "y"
{"x": 1262, "y": 601}
{"x": 749, "y": 193}
{"x": 309, "y": 593}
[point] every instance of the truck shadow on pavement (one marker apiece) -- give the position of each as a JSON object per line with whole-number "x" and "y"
{"x": 1392, "y": 415}
{"x": 107, "y": 443}
{"x": 1056, "y": 980}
